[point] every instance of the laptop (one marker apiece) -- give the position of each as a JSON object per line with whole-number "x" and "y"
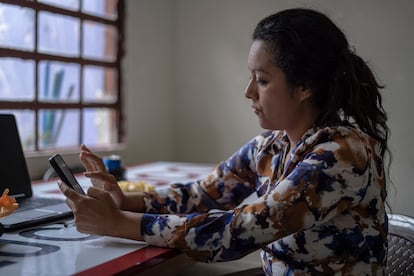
{"x": 14, "y": 175}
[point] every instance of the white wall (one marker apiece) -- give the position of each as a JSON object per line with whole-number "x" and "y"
{"x": 185, "y": 74}
{"x": 148, "y": 80}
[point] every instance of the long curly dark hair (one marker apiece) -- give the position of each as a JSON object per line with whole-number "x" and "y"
{"x": 312, "y": 51}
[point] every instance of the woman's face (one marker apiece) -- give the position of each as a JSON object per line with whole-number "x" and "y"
{"x": 277, "y": 104}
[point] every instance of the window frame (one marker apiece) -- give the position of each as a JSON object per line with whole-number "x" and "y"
{"x": 36, "y": 105}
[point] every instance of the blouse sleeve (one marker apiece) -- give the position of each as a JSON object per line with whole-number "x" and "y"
{"x": 225, "y": 188}
{"x": 329, "y": 179}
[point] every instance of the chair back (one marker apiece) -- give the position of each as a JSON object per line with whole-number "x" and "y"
{"x": 400, "y": 257}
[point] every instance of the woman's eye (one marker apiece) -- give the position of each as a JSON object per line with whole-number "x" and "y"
{"x": 261, "y": 81}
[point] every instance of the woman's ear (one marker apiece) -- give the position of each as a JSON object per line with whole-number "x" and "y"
{"x": 304, "y": 93}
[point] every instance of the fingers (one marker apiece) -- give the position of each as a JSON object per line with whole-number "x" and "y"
{"x": 71, "y": 205}
{"x": 91, "y": 161}
{"x": 68, "y": 192}
{"x": 97, "y": 175}
{"x": 85, "y": 148}
{"x": 98, "y": 193}
{"x": 109, "y": 187}
{"x": 73, "y": 198}
{"x": 71, "y": 195}
{"x": 87, "y": 164}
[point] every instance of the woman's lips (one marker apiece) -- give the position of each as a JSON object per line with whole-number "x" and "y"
{"x": 256, "y": 110}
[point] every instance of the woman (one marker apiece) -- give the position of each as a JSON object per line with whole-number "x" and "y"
{"x": 318, "y": 171}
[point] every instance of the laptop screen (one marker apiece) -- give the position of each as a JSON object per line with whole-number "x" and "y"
{"x": 13, "y": 169}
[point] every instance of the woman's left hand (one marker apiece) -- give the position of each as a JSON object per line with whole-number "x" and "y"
{"x": 95, "y": 213}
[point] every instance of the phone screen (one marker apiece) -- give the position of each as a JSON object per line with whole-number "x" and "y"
{"x": 62, "y": 169}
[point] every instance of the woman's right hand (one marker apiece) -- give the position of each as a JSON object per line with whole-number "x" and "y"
{"x": 96, "y": 171}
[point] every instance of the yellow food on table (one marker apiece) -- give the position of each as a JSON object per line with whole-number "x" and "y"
{"x": 7, "y": 204}
{"x": 135, "y": 186}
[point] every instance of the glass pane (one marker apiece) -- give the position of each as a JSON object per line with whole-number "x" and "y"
{"x": 104, "y": 8}
{"x": 58, "y": 81}
{"x": 99, "y": 41}
{"x": 16, "y": 79}
{"x": 58, "y": 128}
{"x": 99, "y": 84}
{"x": 58, "y": 34}
{"x": 16, "y": 27}
{"x": 99, "y": 126}
{"x": 68, "y": 4}
{"x": 25, "y": 123}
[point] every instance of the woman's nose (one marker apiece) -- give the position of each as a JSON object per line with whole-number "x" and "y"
{"x": 250, "y": 92}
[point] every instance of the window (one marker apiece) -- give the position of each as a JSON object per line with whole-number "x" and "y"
{"x": 60, "y": 71}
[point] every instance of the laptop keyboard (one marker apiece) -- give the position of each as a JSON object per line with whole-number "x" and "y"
{"x": 33, "y": 203}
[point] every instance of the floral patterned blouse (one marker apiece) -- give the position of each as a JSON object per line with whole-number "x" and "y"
{"x": 319, "y": 210}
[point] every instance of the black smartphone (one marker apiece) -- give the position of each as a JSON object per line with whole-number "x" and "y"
{"x": 63, "y": 171}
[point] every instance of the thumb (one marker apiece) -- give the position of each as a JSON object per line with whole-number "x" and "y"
{"x": 98, "y": 193}
{"x": 94, "y": 192}
{"x": 109, "y": 186}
